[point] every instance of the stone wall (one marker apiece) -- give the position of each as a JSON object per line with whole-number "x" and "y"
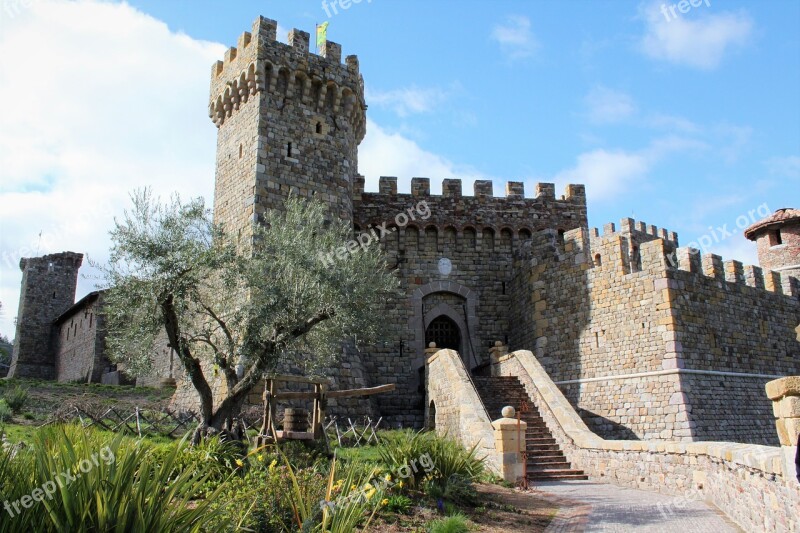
{"x": 80, "y": 342}
{"x": 754, "y": 485}
{"x": 454, "y": 407}
{"x": 453, "y": 257}
{"x": 637, "y": 332}
{"x": 47, "y": 290}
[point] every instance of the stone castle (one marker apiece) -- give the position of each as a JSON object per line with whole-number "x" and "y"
{"x": 646, "y": 340}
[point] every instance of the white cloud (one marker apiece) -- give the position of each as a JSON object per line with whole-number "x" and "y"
{"x": 515, "y": 37}
{"x": 607, "y": 105}
{"x": 383, "y": 153}
{"x": 607, "y": 173}
{"x": 409, "y": 100}
{"x": 785, "y": 167}
{"x": 698, "y": 43}
{"x": 604, "y": 172}
{"x": 105, "y": 100}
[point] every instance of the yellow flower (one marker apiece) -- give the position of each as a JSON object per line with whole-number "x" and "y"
{"x": 353, "y": 487}
{"x": 239, "y": 462}
{"x": 371, "y": 493}
{"x": 384, "y": 502}
{"x": 273, "y": 464}
{"x": 401, "y": 484}
{"x": 261, "y": 457}
{"x": 388, "y": 477}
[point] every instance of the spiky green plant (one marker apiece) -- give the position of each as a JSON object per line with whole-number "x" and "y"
{"x": 93, "y": 483}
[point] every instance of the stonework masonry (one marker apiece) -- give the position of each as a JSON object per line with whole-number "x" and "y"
{"x": 48, "y": 290}
{"x": 80, "y": 342}
{"x": 647, "y": 350}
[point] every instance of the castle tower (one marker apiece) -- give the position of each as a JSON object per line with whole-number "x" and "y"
{"x": 289, "y": 123}
{"x": 48, "y": 289}
{"x": 778, "y": 240}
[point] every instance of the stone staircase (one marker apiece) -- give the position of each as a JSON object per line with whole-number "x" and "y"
{"x": 546, "y": 461}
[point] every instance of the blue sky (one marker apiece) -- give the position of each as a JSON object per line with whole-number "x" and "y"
{"x": 686, "y": 123}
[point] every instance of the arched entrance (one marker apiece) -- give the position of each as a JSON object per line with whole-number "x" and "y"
{"x": 445, "y": 333}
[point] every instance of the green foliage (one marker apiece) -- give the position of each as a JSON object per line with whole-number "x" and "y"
{"x": 399, "y": 503}
{"x": 454, "y": 463}
{"x": 16, "y": 398}
{"x": 118, "y": 485}
{"x": 253, "y": 303}
{"x": 441, "y": 460}
{"x": 399, "y": 449}
{"x": 221, "y": 461}
{"x": 456, "y": 523}
{"x": 5, "y": 411}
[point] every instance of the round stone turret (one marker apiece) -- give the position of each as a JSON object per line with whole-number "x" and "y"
{"x": 778, "y": 240}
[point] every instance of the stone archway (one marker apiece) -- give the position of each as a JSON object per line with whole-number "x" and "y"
{"x": 419, "y": 321}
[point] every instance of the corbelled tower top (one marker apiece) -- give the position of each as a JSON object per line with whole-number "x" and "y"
{"x": 289, "y": 121}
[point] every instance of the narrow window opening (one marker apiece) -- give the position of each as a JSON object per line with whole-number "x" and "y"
{"x": 319, "y": 127}
{"x": 596, "y": 339}
{"x": 504, "y": 287}
{"x": 778, "y": 238}
{"x": 289, "y": 150}
{"x": 90, "y": 319}
{"x": 561, "y": 235}
{"x": 598, "y": 260}
{"x": 54, "y": 295}
{"x": 241, "y": 150}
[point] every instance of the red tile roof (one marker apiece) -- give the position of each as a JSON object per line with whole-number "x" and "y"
{"x": 776, "y": 219}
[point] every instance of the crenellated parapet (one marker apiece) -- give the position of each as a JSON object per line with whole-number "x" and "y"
{"x": 734, "y": 273}
{"x": 260, "y": 64}
{"x": 510, "y": 216}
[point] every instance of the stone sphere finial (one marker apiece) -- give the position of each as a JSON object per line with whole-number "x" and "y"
{"x": 508, "y": 412}
{"x": 432, "y": 345}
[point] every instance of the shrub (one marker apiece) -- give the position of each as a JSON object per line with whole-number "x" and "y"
{"x": 456, "y": 523}
{"x": 120, "y": 487}
{"x": 401, "y": 449}
{"x": 399, "y": 504}
{"x": 16, "y": 398}
{"x": 5, "y": 411}
{"x": 448, "y": 459}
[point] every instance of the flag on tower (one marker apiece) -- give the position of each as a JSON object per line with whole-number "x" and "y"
{"x": 322, "y": 35}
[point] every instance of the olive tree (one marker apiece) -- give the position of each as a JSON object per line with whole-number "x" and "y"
{"x": 230, "y": 301}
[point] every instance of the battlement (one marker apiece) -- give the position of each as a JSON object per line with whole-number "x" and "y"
{"x": 46, "y": 262}
{"x": 712, "y": 266}
{"x": 260, "y": 63}
{"x": 452, "y": 188}
{"x": 629, "y": 226}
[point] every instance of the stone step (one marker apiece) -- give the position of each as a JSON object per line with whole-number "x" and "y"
{"x": 557, "y": 475}
{"x": 539, "y": 440}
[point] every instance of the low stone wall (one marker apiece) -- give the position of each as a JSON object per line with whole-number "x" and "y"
{"x": 754, "y": 485}
{"x": 453, "y": 407}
